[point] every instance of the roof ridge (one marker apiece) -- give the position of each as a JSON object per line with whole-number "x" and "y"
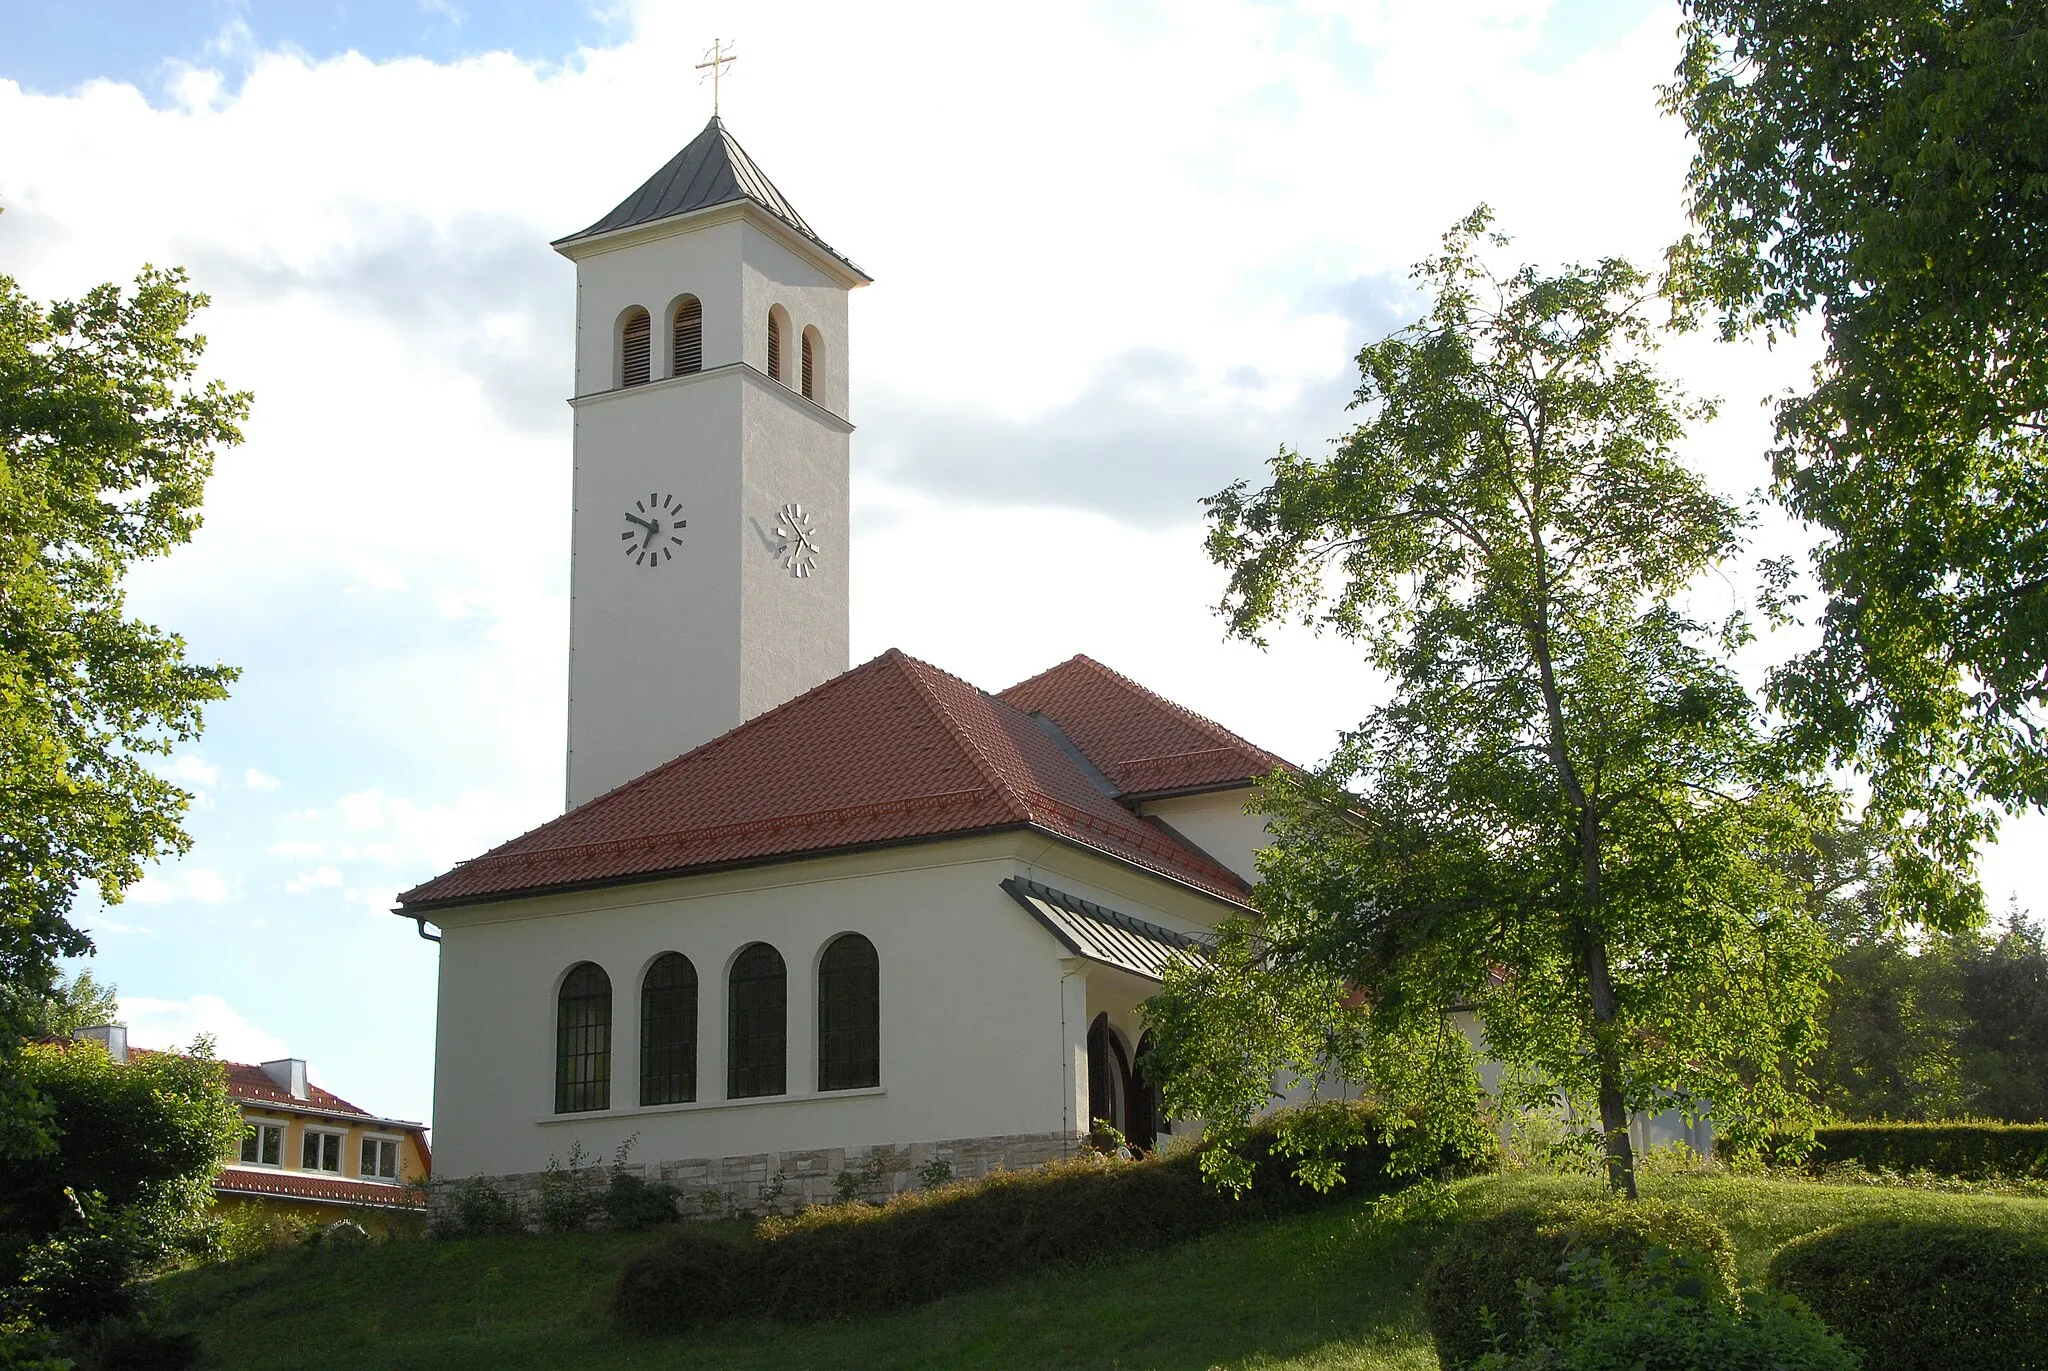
{"x": 944, "y": 712}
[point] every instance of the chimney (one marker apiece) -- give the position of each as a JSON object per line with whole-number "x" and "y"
{"x": 111, "y": 1036}
{"x": 290, "y": 1075}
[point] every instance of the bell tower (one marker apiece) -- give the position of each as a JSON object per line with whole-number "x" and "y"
{"x": 708, "y": 556}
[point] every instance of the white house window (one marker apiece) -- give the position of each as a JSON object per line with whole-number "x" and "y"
{"x": 380, "y": 1159}
{"x": 322, "y": 1152}
{"x": 263, "y": 1144}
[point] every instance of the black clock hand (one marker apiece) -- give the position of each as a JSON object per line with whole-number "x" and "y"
{"x": 652, "y": 528}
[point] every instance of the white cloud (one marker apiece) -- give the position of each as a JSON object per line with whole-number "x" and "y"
{"x": 192, "y": 769}
{"x": 259, "y": 780}
{"x": 170, "y": 1025}
{"x": 182, "y": 885}
{"x": 317, "y": 879}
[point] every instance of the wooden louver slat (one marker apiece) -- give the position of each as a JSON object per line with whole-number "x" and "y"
{"x": 635, "y": 349}
{"x": 774, "y": 348}
{"x": 807, "y": 365}
{"x": 687, "y": 345}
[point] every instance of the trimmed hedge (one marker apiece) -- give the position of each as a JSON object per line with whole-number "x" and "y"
{"x": 1966, "y": 1151}
{"x": 1473, "y": 1293}
{"x": 838, "y": 1261}
{"x": 1912, "y": 1295}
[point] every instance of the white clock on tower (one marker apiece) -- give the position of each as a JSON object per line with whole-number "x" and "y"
{"x": 711, "y": 445}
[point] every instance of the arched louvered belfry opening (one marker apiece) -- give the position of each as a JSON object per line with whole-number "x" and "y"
{"x": 1109, "y": 1077}
{"x": 757, "y": 1025}
{"x": 668, "y": 1031}
{"x": 636, "y": 347}
{"x": 778, "y": 329}
{"x": 813, "y": 363}
{"x": 686, "y": 337}
{"x": 583, "y": 1040}
{"x": 1147, "y": 1108}
{"x": 849, "y": 1014}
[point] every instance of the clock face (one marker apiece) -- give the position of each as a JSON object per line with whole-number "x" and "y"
{"x": 799, "y": 535}
{"x": 653, "y": 530}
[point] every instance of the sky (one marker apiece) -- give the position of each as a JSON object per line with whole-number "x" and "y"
{"x": 1122, "y": 254}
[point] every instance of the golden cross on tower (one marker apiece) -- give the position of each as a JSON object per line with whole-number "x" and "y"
{"x": 717, "y": 57}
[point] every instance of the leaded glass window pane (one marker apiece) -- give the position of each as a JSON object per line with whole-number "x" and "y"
{"x": 668, "y": 1031}
{"x": 849, "y": 1015}
{"x": 756, "y": 1025}
{"x": 583, "y": 1041}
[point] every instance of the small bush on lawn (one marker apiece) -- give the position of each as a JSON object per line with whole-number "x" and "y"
{"x": 835, "y": 1261}
{"x": 633, "y": 1202}
{"x": 1957, "y": 1296}
{"x": 1474, "y": 1293}
{"x": 1659, "y": 1317}
{"x": 478, "y": 1210}
{"x": 1966, "y": 1151}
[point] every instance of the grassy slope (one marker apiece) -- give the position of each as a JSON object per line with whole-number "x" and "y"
{"x": 1335, "y": 1289}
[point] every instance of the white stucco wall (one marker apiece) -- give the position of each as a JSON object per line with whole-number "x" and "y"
{"x": 983, "y": 1017}
{"x": 663, "y": 658}
{"x": 1216, "y": 822}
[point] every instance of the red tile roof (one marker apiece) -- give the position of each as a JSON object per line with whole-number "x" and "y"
{"x": 1144, "y": 743}
{"x": 253, "y": 1085}
{"x": 890, "y": 751}
{"x": 297, "y": 1185}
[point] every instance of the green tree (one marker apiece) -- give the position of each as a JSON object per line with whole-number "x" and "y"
{"x": 1569, "y": 816}
{"x": 71, "y": 1004}
{"x": 2003, "y": 1040}
{"x": 1885, "y": 163}
{"x": 128, "y": 1183}
{"x": 106, "y": 441}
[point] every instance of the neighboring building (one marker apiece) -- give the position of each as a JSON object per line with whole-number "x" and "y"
{"x": 306, "y": 1150}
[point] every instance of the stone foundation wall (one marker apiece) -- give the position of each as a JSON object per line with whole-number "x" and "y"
{"x": 784, "y": 1182}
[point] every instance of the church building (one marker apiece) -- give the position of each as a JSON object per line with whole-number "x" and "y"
{"x": 800, "y": 919}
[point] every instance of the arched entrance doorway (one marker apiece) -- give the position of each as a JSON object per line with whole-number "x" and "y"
{"x": 1109, "y": 1077}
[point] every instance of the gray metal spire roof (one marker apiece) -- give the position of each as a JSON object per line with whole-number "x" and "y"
{"x": 713, "y": 169}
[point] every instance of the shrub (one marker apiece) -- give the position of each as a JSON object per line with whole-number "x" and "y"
{"x": 632, "y": 1202}
{"x": 1967, "y": 1151}
{"x": 834, "y": 1261}
{"x": 252, "y": 1230}
{"x": 1473, "y": 1295}
{"x": 478, "y": 1209}
{"x": 1657, "y": 1318}
{"x": 1904, "y": 1294}
{"x": 568, "y": 1195}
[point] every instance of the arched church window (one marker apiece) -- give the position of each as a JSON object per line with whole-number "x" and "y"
{"x": 813, "y": 362}
{"x": 636, "y": 340}
{"x": 668, "y": 1031}
{"x": 756, "y": 1042}
{"x": 686, "y": 341}
{"x": 776, "y": 328}
{"x": 583, "y": 1040}
{"x": 849, "y": 1014}
{"x": 1109, "y": 1076}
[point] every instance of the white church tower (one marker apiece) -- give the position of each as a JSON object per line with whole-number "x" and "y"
{"x": 708, "y": 577}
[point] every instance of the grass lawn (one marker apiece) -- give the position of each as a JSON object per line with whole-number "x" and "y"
{"x": 1338, "y": 1288}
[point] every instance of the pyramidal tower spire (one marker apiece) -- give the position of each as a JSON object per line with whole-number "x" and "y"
{"x": 708, "y": 567}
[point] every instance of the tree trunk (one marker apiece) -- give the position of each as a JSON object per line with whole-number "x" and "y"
{"x": 1621, "y": 1159}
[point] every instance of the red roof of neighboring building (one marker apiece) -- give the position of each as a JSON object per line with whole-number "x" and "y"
{"x": 890, "y": 751}
{"x": 297, "y": 1185}
{"x": 1146, "y": 744}
{"x": 253, "y": 1085}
